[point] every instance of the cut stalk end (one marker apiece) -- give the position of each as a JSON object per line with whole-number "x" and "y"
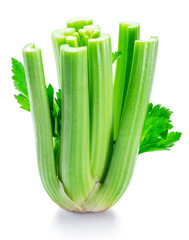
{"x": 79, "y": 23}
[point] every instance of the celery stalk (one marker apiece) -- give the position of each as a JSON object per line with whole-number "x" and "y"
{"x": 58, "y": 38}
{"x": 72, "y": 41}
{"x": 128, "y": 33}
{"x": 101, "y": 103}
{"x": 131, "y": 125}
{"x": 76, "y": 34}
{"x": 74, "y": 164}
{"x": 42, "y": 125}
{"x": 89, "y": 132}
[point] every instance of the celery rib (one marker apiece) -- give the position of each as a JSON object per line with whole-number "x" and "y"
{"x": 131, "y": 125}
{"x": 72, "y": 41}
{"x": 58, "y": 38}
{"x": 101, "y": 104}
{"x": 75, "y": 141}
{"x": 128, "y": 33}
{"x": 42, "y": 125}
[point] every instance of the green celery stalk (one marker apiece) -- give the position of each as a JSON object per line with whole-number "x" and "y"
{"x": 74, "y": 167}
{"x": 72, "y": 41}
{"x": 79, "y": 23}
{"x": 128, "y": 33}
{"x": 101, "y": 103}
{"x": 43, "y": 129}
{"x": 58, "y": 37}
{"x": 131, "y": 125}
{"x": 76, "y": 34}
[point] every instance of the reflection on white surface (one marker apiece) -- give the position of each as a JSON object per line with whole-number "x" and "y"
{"x": 93, "y": 225}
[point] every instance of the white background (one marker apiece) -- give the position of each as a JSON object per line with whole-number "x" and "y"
{"x": 156, "y": 204}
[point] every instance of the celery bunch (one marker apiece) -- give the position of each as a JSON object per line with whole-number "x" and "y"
{"x": 89, "y": 135}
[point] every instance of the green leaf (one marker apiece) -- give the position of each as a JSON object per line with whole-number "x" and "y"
{"x": 57, "y": 110}
{"x": 23, "y": 101}
{"x": 56, "y": 146}
{"x": 58, "y": 98}
{"x": 156, "y": 135}
{"x": 50, "y": 94}
{"x": 19, "y": 77}
{"x": 116, "y": 55}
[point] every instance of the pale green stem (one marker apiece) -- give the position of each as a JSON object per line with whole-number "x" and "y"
{"x": 58, "y": 38}
{"x": 128, "y": 33}
{"x": 76, "y": 34}
{"x": 42, "y": 126}
{"x": 74, "y": 167}
{"x": 72, "y": 41}
{"x": 131, "y": 125}
{"x": 101, "y": 103}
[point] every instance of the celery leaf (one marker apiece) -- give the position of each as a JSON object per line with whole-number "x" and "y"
{"x": 156, "y": 135}
{"x": 116, "y": 55}
{"x": 23, "y": 101}
{"x": 19, "y": 79}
